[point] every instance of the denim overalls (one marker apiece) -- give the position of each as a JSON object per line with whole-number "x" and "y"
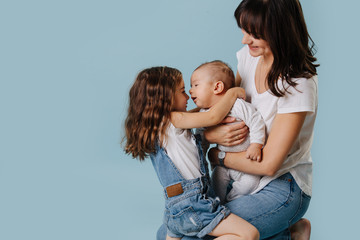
{"x": 191, "y": 208}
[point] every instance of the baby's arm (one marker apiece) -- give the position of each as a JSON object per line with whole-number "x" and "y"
{"x": 205, "y": 119}
{"x": 256, "y": 124}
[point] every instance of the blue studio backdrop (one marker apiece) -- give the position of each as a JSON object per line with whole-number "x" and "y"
{"x": 65, "y": 71}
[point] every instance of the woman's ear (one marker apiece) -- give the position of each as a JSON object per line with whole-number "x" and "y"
{"x": 219, "y": 87}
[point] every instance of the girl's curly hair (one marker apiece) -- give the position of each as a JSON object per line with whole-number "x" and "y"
{"x": 150, "y": 103}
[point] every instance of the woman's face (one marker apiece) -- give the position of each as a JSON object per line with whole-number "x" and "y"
{"x": 258, "y": 47}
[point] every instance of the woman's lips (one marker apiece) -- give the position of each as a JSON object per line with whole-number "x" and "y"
{"x": 253, "y": 47}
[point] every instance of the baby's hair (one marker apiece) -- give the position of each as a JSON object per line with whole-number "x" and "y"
{"x": 150, "y": 103}
{"x": 220, "y": 71}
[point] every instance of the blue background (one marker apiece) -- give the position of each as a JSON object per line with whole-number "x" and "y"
{"x": 66, "y": 68}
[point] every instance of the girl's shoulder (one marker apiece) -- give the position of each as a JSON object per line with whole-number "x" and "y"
{"x": 172, "y": 131}
{"x": 177, "y": 133}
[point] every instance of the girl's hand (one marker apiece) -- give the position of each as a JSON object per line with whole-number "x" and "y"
{"x": 239, "y": 91}
{"x": 227, "y": 134}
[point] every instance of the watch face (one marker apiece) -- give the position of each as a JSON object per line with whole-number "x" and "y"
{"x": 221, "y": 155}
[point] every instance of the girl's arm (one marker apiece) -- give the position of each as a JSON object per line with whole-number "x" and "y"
{"x": 194, "y": 110}
{"x": 284, "y": 131}
{"x": 214, "y": 116}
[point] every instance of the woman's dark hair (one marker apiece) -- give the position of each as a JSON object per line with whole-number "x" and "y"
{"x": 281, "y": 23}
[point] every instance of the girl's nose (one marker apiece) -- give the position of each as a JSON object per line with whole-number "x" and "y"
{"x": 187, "y": 97}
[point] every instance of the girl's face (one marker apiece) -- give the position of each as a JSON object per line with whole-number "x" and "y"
{"x": 180, "y": 98}
{"x": 258, "y": 47}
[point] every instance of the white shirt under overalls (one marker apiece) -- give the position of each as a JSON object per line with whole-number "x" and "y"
{"x": 181, "y": 147}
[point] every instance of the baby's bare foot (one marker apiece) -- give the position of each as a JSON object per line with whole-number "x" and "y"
{"x": 301, "y": 230}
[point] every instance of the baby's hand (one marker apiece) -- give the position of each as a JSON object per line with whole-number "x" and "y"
{"x": 254, "y": 152}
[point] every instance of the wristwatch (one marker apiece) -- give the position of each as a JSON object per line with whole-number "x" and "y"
{"x": 221, "y": 156}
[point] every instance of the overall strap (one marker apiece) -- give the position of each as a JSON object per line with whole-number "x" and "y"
{"x": 203, "y": 163}
{"x": 165, "y": 169}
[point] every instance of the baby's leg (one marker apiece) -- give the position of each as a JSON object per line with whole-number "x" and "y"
{"x": 243, "y": 184}
{"x": 220, "y": 180}
{"x": 234, "y": 227}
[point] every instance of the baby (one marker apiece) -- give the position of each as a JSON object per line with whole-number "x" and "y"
{"x": 209, "y": 82}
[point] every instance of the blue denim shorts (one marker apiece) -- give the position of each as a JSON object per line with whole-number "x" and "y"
{"x": 272, "y": 210}
{"x": 195, "y": 212}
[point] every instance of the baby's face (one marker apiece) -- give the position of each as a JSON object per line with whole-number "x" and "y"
{"x": 202, "y": 88}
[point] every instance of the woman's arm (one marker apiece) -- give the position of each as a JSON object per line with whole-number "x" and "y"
{"x": 284, "y": 131}
{"x": 205, "y": 119}
{"x": 227, "y": 134}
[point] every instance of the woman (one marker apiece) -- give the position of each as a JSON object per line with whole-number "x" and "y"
{"x": 276, "y": 68}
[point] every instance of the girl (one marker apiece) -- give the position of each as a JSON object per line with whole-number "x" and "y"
{"x": 277, "y": 69}
{"x": 156, "y": 126}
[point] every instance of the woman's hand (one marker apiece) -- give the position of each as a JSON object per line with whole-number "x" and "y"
{"x": 227, "y": 134}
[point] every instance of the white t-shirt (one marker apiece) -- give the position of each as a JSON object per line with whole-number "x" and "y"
{"x": 301, "y": 99}
{"x": 181, "y": 148}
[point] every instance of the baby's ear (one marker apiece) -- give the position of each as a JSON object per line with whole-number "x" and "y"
{"x": 219, "y": 87}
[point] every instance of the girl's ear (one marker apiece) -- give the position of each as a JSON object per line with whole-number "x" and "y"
{"x": 219, "y": 87}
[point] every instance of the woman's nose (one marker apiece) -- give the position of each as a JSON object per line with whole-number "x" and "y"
{"x": 246, "y": 38}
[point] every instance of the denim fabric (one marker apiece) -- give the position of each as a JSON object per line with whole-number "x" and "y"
{"x": 194, "y": 212}
{"x": 272, "y": 210}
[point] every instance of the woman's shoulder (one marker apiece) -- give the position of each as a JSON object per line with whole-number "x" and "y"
{"x": 243, "y": 52}
{"x": 246, "y": 62}
{"x": 302, "y": 97}
{"x": 304, "y": 84}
